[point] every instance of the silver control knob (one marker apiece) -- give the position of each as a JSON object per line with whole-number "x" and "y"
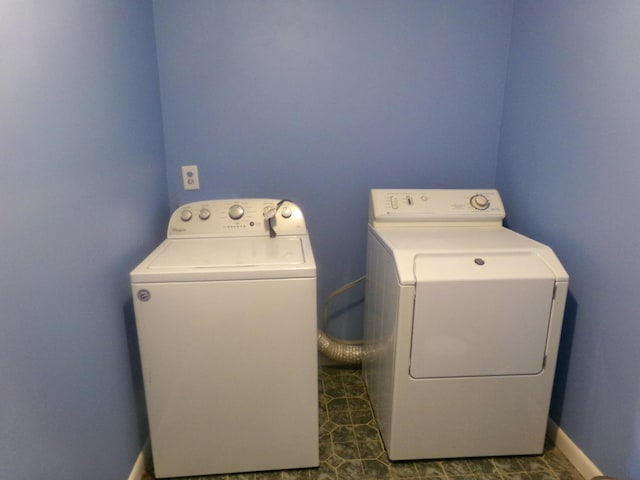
{"x": 286, "y": 212}
{"x": 236, "y": 212}
{"x": 269, "y": 212}
{"x": 479, "y": 202}
{"x": 204, "y": 214}
{"x": 186, "y": 215}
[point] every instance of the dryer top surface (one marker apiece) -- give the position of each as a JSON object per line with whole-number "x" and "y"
{"x": 405, "y": 244}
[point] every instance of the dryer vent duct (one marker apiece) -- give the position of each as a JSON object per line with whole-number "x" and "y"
{"x": 341, "y": 351}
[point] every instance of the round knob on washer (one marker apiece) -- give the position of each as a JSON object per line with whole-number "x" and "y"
{"x": 479, "y": 202}
{"x": 287, "y": 212}
{"x": 186, "y": 215}
{"x": 269, "y": 211}
{"x": 236, "y": 212}
{"x": 204, "y": 214}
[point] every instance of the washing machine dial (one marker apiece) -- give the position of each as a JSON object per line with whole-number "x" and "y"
{"x": 479, "y": 202}
{"x": 204, "y": 214}
{"x": 269, "y": 211}
{"x": 236, "y": 212}
{"x": 186, "y": 215}
{"x": 286, "y": 212}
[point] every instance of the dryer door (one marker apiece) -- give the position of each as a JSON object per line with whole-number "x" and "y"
{"x": 480, "y": 314}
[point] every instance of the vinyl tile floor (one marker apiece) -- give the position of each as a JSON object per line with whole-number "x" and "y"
{"x": 351, "y": 447}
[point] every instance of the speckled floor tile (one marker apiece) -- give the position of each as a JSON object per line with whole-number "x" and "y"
{"x": 351, "y": 447}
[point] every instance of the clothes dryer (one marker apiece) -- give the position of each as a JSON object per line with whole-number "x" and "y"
{"x": 462, "y": 321}
{"x": 226, "y": 317}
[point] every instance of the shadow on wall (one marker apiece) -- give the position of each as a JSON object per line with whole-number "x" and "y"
{"x": 564, "y": 355}
{"x": 136, "y": 370}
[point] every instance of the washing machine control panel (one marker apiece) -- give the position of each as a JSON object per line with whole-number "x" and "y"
{"x": 237, "y": 217}
{"x": 435, "y": 207}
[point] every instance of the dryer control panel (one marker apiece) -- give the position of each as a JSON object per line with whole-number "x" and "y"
{"x": 237, "y": 217}
{"x": 435, "y": 207}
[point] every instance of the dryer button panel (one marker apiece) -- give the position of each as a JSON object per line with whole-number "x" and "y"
{"x": 435, "y": 206}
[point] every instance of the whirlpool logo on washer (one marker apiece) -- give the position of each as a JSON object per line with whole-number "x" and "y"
{"x": 178, "y": 230}
{"x": 144, "y": 295}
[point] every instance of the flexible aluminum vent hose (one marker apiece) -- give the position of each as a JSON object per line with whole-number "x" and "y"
{"x": 342, "y": 351}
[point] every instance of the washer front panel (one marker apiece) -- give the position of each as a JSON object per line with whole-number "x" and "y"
{"x": 221, "y": 392}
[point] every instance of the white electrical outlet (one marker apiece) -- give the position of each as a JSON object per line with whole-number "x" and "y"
{"x": 190, "y": 180}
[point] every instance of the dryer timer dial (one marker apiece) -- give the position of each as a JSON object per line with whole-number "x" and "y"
{"x": 479, "y": 202}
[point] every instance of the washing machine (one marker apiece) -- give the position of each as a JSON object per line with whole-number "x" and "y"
{"x": 462, "y": 322}
{"x": 225, "y": 312}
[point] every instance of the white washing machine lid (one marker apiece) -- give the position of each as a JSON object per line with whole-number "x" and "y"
{"x": 405, "y": 244}
{"x": 227, "y": 258}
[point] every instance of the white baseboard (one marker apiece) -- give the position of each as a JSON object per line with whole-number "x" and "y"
{"x": 579, "y": 460}
{"x": 139, "y": 470}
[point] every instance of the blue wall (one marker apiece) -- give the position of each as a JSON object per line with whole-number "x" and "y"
{"x": 317, "y": 101}
{"x": 569, "y": 172}
{"x": 320, "y": 101}
{"x": 84, "y": 197}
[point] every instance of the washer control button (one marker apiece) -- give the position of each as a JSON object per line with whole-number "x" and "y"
{"x": 236, "y": 212}
{"x": 479, "y": 202}
{"x": 204, "y": 214}
{"x": 186, "y": 215}
{"x": 269, "y": 211}
{"x": 286, "y": 212}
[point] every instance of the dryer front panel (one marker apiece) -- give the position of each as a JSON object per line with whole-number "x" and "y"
{"x": 479, "y": 314}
